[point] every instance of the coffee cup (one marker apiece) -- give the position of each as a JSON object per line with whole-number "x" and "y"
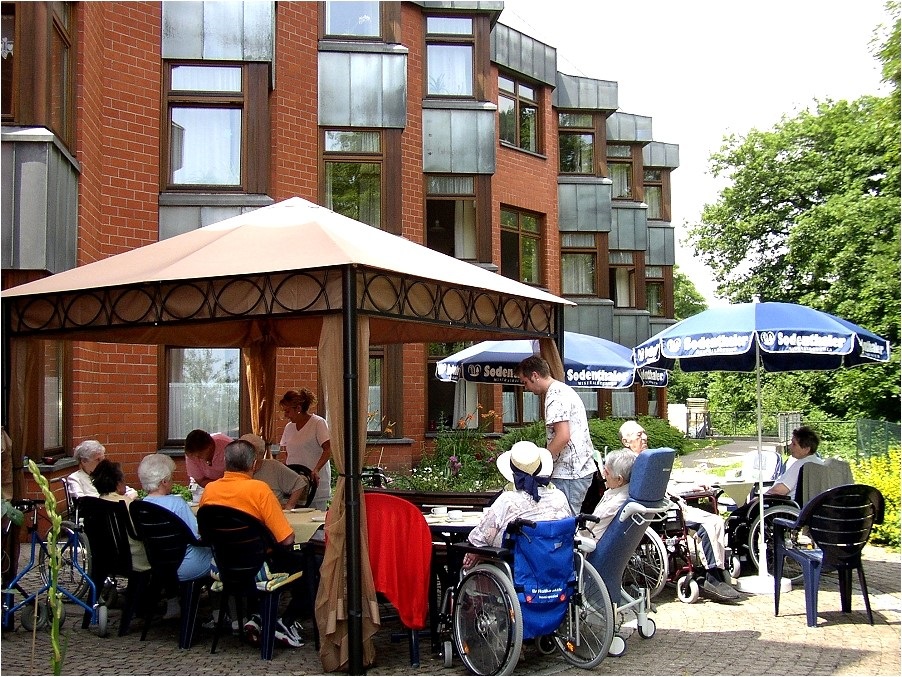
{"x": 455, "y": 515}
{"x": 440, "y": 510}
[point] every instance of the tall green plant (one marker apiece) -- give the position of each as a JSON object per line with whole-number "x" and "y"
{"x": 54, "y": 598}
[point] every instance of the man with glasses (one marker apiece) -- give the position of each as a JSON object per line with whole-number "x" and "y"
{"x": 708, "y": 526}
{"x": 566, "y": 430}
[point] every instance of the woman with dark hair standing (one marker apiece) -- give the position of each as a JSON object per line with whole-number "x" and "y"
{"x": 305, "y": 441}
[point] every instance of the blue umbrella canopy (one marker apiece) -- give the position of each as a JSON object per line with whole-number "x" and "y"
{"x": 786, "y": 336}
{"x": 589, "y": 362}
{"x": 776, "y": 337}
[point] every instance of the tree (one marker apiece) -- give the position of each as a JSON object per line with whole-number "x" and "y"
{"x": 811, "y": 216}
{"x": 687, "y": 300}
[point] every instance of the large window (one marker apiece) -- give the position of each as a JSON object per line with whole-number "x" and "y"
{"x": 576, "y": 138}
{"x": 375, "y": 416}
{"x": 62, "y": 109}
{"x": 521, "y": 257}
{"x": 352, "y": 19}
{"x": 518, "y": 114}
{"x": 212, "y": 113}
{"x": 204, "y": 391}
{"x": 449, "y": 56}
{"x": 622, "y": 274}
{"x": 620, "y": 171}
{"x": 579, "y": 264}
{"x": 451, "y": 215}
{"x": 353, "y": 181}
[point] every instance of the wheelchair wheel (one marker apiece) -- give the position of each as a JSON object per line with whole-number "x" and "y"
{"x": 647, "y": 629}
{"x": 447, "y": 653}
{"x": 35, "y": 616}
{"x": 74, "y": 547}
{"x": 102, "y": 620}
{"x": 687, "y": 589}
{"x": 487, "y": 624}
{"x": 791, "y": 569}
{"x": 647, "y": 567}
{"x": 592, "y": 615}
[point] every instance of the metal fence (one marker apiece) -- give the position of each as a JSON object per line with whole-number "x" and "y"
{"x": 860, "y": 438}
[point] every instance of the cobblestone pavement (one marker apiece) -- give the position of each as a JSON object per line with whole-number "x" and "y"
{"x": 704, "y": 638}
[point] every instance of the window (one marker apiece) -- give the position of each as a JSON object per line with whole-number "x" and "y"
{"x": 654, "y": 291}
{"x": 450, "y": 220}
{"x": 449, "y": 56}
{"x": 62, "y": 113}
{"x": 622, "y": 273}
{"x": 623, "y": 404}
{"x": 654, "y": 193}
{"x": 589, "y": 396}
{"x": 518, "y": 114}
{"x": 519, "y": 406}
{"x": 520, "y": 246}
{"x": 579, "y": 264}
{"x": 576, "y": 138}
{"x": 211, "y": 116}
{"x": 353, "y": 19}
{"x": 353, "y": 181}
{"x": 54, "y": 395}
{"x": 375, "y": 411}
{"x": 620, "y": 171}
{"x": 203, "y": 391}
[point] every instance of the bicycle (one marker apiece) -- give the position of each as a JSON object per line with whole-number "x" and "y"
{"x": 73, "y": 580}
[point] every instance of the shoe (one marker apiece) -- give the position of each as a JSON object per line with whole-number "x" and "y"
{"x": 252, "y": 630}
{"x": 291, "y": 634}
{"x": 720, "y": 591}
{"x": 214, "y": 619}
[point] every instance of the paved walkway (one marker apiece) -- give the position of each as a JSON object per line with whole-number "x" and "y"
{"x": 704, "y": 638}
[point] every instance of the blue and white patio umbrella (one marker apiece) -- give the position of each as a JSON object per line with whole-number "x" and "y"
{"x": 749, "y": 337}
{"x": 589, "y": 362}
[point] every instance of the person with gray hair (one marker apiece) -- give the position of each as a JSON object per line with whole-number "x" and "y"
{"x": 155, "y": 472}
{"x": 238, "y": 489}
{"x": 617, "y": 469}
{"x": 87, "y": 454}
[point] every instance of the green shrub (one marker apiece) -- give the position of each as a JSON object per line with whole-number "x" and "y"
{"x": 882, "y": 472}
{"x": 534, "y": 432}
{"x": 606, "y": 433}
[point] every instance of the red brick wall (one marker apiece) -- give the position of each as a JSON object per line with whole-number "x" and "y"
{"x": 118, "y": 146}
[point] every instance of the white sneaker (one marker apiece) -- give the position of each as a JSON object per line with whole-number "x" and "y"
{"x": 290, "y": 635}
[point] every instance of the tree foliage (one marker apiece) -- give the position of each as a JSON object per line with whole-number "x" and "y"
{"x": 810, "y": 215}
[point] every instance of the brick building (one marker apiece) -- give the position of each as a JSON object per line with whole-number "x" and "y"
{"x": 125, "y": 123}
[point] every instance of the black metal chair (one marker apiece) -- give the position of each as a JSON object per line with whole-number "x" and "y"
{"x": 313, "y": 484}
{"x": 839, "y": 523}
{"x": 241, "y": 545}
{"x": 108, "y": 528}
{"x": 166, "y": 539}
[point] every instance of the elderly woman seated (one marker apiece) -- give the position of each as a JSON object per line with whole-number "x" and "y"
{"x": 88, "y": 454}
{"x": 155, "y": 472}
{"x": 617, "y": 468}
{"x": 532, "y": 497}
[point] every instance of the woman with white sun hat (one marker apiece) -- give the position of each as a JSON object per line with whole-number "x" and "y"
{"x": 532, "y": 496}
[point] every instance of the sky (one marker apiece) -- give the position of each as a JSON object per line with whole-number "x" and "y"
{"x": 703, "y": 69}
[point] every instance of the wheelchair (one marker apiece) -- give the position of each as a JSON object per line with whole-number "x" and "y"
{"x": 743, "y": 528}
{"x": 537, "y": 586}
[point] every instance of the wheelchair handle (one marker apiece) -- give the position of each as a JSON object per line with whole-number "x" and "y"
{"x": 583, "y": 518}
{"x": 517, "y": 525}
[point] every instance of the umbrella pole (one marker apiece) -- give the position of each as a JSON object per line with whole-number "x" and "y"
{"x": 762, "y": 583}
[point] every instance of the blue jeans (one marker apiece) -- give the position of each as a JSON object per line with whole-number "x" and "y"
{"x": 574, "y": 490}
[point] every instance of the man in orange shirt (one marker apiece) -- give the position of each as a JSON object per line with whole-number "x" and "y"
{"x": 238, "y": 489}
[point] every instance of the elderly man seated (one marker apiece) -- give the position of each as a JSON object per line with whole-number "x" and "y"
{"x": 239, "y": 490}
{"x": 288, "y": 486}
{"x": 708, "y": 526}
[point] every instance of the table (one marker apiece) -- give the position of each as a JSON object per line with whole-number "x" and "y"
{"x": 304, "y": 521}
{"x": 736, "y": 490}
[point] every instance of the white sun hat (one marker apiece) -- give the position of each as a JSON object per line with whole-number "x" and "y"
{"x": 525, "y": 456}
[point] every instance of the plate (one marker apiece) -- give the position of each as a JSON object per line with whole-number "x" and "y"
{"x": 318, "y": 518}
{"x": 301, "y": 510}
